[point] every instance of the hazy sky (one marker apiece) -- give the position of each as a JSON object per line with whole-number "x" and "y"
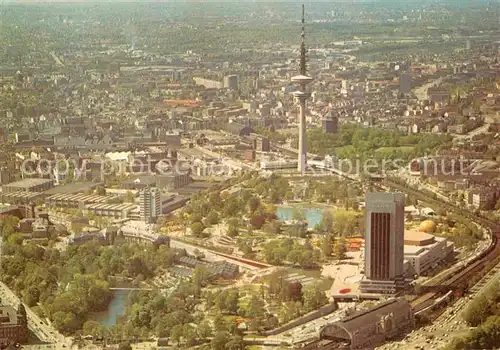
{"x": 195, "y": 1}
{"x": 415, "y": 2}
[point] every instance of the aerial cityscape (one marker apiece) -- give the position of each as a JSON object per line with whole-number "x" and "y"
{"x": 224, "y": 175}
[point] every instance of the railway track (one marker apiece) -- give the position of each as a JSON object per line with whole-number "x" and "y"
{"x": 323, "y": 344}
{"x": 455, "y": 279}
{"x": 252, "y": 263}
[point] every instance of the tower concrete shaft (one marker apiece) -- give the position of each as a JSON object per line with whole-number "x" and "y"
{"x": 302, "y": 80}
{"x": 302, "y": 160}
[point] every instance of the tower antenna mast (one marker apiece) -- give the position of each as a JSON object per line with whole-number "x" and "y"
{"x": 303, "y": 50}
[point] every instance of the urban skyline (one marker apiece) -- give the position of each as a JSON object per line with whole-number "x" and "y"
{"x": 190, "y": 175}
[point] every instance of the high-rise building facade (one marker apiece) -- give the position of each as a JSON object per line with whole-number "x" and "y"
{"x": 384, "y": 243}
{"x": 330, "y": 123}
{"x": 150, "y": 204}
{"x": 231, "y": 82}
{"x": 405, "y": 83}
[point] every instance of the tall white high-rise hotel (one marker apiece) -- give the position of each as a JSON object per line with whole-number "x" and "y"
{"x": 150, "y": 204}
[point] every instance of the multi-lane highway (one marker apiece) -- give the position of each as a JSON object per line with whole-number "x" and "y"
{"x": 42, "y": 330}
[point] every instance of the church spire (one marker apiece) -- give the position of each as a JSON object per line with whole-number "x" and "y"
{"x": 303, "y": 45}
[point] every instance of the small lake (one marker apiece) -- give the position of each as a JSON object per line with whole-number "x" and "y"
{"x": 313, "y": 215}
{"x": 115, "y": 309}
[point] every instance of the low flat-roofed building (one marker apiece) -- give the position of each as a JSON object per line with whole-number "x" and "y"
{"x": 224, "y": 269}
{"x": 139, "y": 182}
{"x": 417, "y": 238}
{"x": 116, "y": 211}
{"x": 194, "y": 153}
{"x": 424, "y": 252}
{"x": 173, "y": 180}
{"x": 72, "y": 188}
{"x": 369, "y": 328}
{"x": 218, "y": 269}
{"x": 28, "y": 185}
{"x": 181, "y": 271}
{"x": 190, "y": 261}
{"x": 20, "y": 197}
{"x": 222, "y": 142}
{"x": 172, "y": 204}
{"x": 279, "y": 164}
{"x": 75, "y": 200}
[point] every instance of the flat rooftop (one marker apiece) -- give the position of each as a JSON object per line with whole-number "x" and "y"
{"x": 80, "y": 197}
{"x": 24, "y": 183}
{"x": 414, "y": 249}
{"x": 75, "y": 187}
{"x": 114, "y": 207}
{"x": 195, "y": 153}
{"x": 193, "y": 188}
{"x": 23, "y": 195}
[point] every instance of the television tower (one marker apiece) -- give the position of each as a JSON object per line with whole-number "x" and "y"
{"x": 302, "y": 80}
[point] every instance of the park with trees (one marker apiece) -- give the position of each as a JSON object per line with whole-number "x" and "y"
{"x": 253, "y": 205}
{"x": 356, "y": 142}
{"x": 70, "y": 286}
{"x": 212, "y": 317}
{"x": 249, "y": 216}
{"x": 483, "y": 313}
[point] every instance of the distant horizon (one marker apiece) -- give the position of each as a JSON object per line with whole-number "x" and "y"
{"x": 416, "y": 2}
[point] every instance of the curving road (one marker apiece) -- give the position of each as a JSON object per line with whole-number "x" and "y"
{"x": 421, "y": 91}
{"x": 450, "y": 281}
{"x": 43, "y": 331}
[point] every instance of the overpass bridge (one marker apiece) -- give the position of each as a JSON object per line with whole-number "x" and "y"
{"x": 142, "y": 237}
{"x": 328, "y": 167}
